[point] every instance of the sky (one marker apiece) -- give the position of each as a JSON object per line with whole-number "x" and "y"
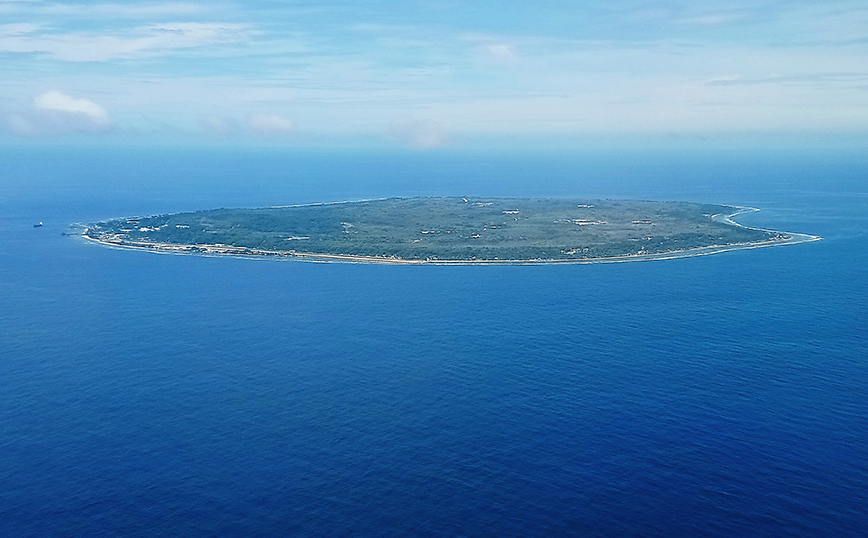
{"x": 428, "y": 74}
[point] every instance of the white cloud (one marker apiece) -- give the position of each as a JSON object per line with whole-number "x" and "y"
{"x": 17, "y": 29}
{"x": 268, "y": 124}
{"x": 139, "y": 42}
{"x": 57, "y": 102}
{"x": 124, "y": 10}
{"x": 492, "y": 47}
{"x": 113, "y": 10}
{"x": 500, "y": 51}
{"x": 699, "y": 68}
{"x": 418, "y": 133}
{"x": 714, "y": 19}
{"x": 54, "y": 112}
{"x": 215, "y": 125}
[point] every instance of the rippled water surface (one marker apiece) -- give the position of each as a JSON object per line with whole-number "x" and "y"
{"x": 146, "y": 394}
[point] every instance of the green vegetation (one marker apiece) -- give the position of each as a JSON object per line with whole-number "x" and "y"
{"x": 443, "y": 229}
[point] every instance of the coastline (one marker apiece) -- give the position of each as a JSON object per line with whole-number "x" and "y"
{"x": 244, "y": 252}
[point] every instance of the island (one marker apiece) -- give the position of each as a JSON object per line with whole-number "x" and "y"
{"x": 450, "y": 231}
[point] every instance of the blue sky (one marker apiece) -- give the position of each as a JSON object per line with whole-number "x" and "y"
{"x": 427, "y": 74}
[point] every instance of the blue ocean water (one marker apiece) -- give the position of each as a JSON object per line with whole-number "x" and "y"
{"x": 160, "y": 395}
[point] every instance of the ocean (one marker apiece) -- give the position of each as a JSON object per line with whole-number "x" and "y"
{"x": 146, "y": 394}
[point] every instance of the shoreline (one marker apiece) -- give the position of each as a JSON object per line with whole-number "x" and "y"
{"x": 220, "y": 250}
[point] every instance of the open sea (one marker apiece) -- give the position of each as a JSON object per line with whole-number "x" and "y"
{"x": 147, "y": 394}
